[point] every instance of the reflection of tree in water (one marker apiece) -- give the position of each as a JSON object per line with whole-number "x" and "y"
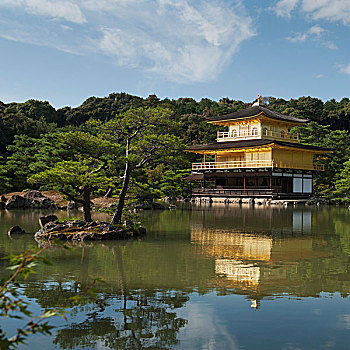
{"x": 144, "y": 321}
{"x": 118, "y": 318}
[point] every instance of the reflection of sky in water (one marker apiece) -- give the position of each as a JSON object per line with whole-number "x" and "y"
{"x": 227, "y": 323}
{"x": 344, "y": 321}
{"x": 205, "y": 329}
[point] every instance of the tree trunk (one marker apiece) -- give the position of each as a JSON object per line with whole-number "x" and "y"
{"x": 86, "y": 204}
{"x": 119, "y": 211}
{"x": 109, "y": 193}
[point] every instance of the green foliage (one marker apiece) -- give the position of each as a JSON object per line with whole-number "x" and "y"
{"x": 342, "y": 186}
{"x": 149, "y": 131}
{"x": 100, "y": 108}
{"x": 4, "y": 179}
{"x": 22, "y": 157}
{"x": 69, "y": 176}
{"x": 86, "y": 144}
{"x": 312, "y": 133}
{"x": 332, "y": 113}
{"x": 340, "y": 141}
{"x": 31, "y": 118}
{"x": 28, "y": 156}
{"x": 159, "y": 182}
{"x": 145, "y": 192}
{"x": 321, "y": 135}
{"x": 172, "y": 184}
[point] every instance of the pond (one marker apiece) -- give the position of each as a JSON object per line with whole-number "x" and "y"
{"x": 210, "y": 277}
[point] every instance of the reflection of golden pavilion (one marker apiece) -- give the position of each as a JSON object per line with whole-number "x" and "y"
{"x": 231, "y": 245}
{"x": 231, "y": 251}
{"x": 238, "y": 271}
{"x": 251, "y": 262}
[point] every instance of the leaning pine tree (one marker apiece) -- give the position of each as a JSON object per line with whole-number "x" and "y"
{"x": 147, "y": 136}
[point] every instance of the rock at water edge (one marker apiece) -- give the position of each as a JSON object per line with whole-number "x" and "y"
{"x": 45, "y": 219}
{"x": 15, "y": 230}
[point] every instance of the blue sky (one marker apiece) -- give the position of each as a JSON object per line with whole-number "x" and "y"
{"x": 65, "y": 51}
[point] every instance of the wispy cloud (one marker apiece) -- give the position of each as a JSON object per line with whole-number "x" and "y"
{"x": 315, "y": 33}
{"x": 66, "y": 10}
{"x": 330, "y": 10}
{"x": 335, "y": 10}
{"x": 181, "y": 40}
{"x": 284, "y": 8}
{"x": 319, "y": 76}
{"x": 344, "y": 68}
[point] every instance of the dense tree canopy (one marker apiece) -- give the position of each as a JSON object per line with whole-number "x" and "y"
{"x": 29, "y": 143}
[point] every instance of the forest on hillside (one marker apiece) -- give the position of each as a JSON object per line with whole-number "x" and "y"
{"x": 35, "y": 138}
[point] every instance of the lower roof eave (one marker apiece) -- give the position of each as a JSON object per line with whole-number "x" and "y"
{"x": 246, "y": 144}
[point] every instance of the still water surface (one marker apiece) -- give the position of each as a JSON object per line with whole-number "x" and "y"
{"x": 208, "y": 278}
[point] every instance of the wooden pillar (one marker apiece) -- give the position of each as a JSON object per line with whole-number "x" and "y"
{"x": 244, "y": 182}
{"x": 204, "y": 157}
{"x": 204, "y": 180}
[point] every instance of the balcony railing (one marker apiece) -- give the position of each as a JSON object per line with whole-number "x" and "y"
{"x": 233, "y": 164}
{"x": 235, "y": 136}
{"x": 285, "y": 165}
{"x": 243, "y": 164}
{"x": 233, "y": 192}
{"x": 223, "y": 136}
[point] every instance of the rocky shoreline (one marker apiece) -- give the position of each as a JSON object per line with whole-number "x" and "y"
{"x": 52, "y": 200}
{"x": 30, "y": 199}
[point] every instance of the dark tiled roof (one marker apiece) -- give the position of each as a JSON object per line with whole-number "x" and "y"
{"x": 230, "y": 144}
{"x": 300, "y": 145}
{"x": 254, "y": 110}
{"x": 194, "y": 177}
{"x": 252, "y": 143}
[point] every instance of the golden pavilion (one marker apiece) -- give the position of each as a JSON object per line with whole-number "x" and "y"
{"x": 257, "y": 156}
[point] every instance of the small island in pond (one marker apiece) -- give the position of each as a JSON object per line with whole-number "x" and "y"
{"x": 79, "y": 230}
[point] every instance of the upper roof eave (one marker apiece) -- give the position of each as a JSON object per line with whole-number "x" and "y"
{"x": 256, "y": 111}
